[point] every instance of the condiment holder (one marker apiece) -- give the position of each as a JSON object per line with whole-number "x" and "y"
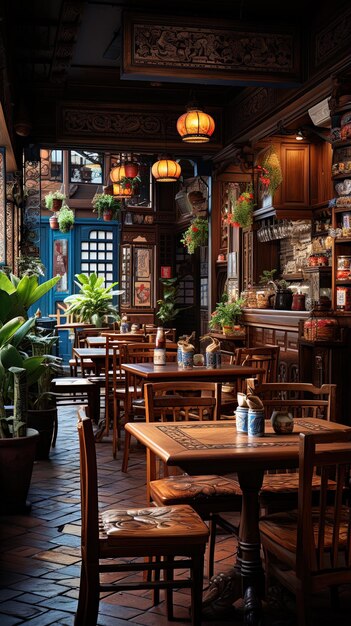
{"x": 282, "y": 422}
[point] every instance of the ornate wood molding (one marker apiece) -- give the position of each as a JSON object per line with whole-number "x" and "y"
{"x": 127, "y": 125}
{"x": 3, "y": 206}
{"x": 333, "y": 39}
{"x": 223, "y": 51}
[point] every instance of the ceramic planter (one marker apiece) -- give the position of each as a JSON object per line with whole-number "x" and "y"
{"x": 43, "y": 421}
{"x": 16, "y": 466}
{"x": 53, "y": 221}
{"x": 56, "y": 204}
{"x": 107, "y": 215}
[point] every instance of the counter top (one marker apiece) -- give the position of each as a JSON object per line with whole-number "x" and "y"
{"x": 273, "y": 318}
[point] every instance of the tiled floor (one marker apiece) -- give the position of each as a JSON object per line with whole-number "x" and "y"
{"x": 40, "y": 553}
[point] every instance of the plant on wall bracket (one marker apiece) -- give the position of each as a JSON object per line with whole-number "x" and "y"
{"x": 241, "y": 209}
{"x": 195, "y": 235}
{"x": 270, "y": 172}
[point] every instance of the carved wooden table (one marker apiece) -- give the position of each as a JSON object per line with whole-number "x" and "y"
{"x": 216, "y": 447}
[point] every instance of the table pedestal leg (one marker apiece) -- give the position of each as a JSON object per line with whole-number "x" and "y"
{"x": 249, "y": 557}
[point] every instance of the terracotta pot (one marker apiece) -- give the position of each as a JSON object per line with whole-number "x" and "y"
{"x": 107, "y": 215}
{"x": 131, "y": 170}
{"x": 56, "y": 204}
{"x": 16, "y": 466}
{"x": 43, "y": 421}
{"x": 53, "y": 221}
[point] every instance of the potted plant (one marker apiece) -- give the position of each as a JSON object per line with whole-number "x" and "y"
{"x": 167, "y": 307}
{"x": 283, "y": 295}
{"x": 196, "y": 235}
{"x": 227, "y": 315}
{"x": 30, "y": 266}
{"x": 128, "y": 182}
{"x": 65, "y": 219}
{"x": 240, "y": 214}
{"x": 42, "y": 409}
{"x": 54, "y": 200}
{"x": 17, "y": 372}
{"x": 106, "y": 206}
{"x": 93, "y": 303}
{"x": 270, "y": 172}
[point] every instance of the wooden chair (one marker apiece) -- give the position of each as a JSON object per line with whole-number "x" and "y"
{"x": 279, "y": 490}
{"x": 208, "y": 495}
{"x": 134, "y": 403}
{"x": 265, "y": 357}
{"x": 308, "y": 549}
{"x": 158, "y": 536}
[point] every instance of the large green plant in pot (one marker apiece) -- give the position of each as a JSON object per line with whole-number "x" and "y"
{"x": 93, "y": 303}
{"x": 18, "y": 372}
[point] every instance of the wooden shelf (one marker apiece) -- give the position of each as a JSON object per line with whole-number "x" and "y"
{"x": 344, "y": 281}
{"x": 342, "y": 240}
{"x": 341, "y": 176}
{"x": 340, "y": 143}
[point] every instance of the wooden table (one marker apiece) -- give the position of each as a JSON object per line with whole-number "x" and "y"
{"x": 216, "y": 447}
{"x": 97, "y": 355}
{"x": 149, "y": 372}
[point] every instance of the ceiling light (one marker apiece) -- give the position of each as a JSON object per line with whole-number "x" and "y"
{"x": 166, "y": 170}
{"x": 195, "y": 126}
{"x": 299, "y": 135}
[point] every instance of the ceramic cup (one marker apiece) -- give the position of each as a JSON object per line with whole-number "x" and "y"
{"x": 255, "y": 422}
{"x": 211, "y": 360}
{"x": 241, "y": 419}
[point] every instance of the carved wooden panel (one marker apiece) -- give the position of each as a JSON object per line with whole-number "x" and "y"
{"x": 156, "y": 47}
{"x": 332, "y": 39}
{"x": 2, "y": 206}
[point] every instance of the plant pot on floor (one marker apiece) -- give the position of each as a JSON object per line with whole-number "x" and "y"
{"x": 44, "y": 421}
{"x": 16, "y": 466}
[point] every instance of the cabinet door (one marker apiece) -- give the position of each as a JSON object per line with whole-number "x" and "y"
{"x": 295, "y": 192}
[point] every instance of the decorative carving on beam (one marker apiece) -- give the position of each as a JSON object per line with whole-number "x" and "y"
{"x": 217, "y": 52}
{"x": 31, "y": 221}
{"x": 251, "y": 107}
{"x": 125, "y": 125}
{"x": 333, "y": 38}
{"x": 66, "y": 39}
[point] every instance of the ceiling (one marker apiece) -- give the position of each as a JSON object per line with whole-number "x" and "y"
{"x": 85, "y": 64}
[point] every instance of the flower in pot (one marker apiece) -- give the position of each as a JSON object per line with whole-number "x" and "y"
{"x": 93, "y": 303}
{"x": 196, "y": 235}
{"x": 65, "y": 219}
{"x": 227, "y": 314}
{"x": 54, "y": 200}
{"x": 270, "y": 173}
{"x": 106, "y": 206}
{"x": 240, "y": 214}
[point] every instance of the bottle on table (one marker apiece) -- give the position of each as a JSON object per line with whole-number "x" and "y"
{"x": 160, "y": 347}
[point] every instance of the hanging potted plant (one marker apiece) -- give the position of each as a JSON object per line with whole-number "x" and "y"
{"x": 106, "y": 206}
{"x": 240, "y": 214}
{"x": 270, "y": 173}
{"x": 196, "y": 235}
{"x": 65, "y": 219}
{"x": 130, "y": 183}
{"x": 53, "y": 222}
{"x": 54, "y": 200}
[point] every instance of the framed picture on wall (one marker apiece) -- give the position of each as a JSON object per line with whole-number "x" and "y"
{"x": 142, "y": 263}
{"x": 142, "y": 293}
{"x": 60, "y": 263}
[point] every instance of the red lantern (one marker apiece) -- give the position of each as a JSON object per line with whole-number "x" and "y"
{"x": 131, "y": 170}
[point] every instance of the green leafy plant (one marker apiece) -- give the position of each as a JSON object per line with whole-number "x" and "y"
{"x": 94, "y": 300}
{"x": 130, "y": 183}
{"x": 226, "y": 313}
{"x": 18, "y": 294}
{"x": 103, "y": 202}
{"x": 53, "y": 195}
{"x": 196, "y": 235}
{"x": 270, "y": 172}
{"x": 267, "y": 276}
{"x": 281, "y": 285}
{"x": 242, "y": 208}
{"x": 167, "y": 306}
{"x": 65, "y": 219}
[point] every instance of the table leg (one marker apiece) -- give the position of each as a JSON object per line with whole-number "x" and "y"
{"x": 249, "y": 557}
{"x": 246, "y": 577}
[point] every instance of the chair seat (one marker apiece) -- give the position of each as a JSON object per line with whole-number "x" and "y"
{"x": 175, "y": 489}
{"x": 281, "y": 528}
{"x": 288, "y": 483}
{"x": 160, "y": 524}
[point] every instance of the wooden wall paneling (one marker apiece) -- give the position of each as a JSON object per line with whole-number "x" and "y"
{"x": 295, "y": 192}
{"x": 321, "y": 186}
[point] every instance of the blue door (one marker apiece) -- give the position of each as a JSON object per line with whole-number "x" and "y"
{"x": 90, "y": 247}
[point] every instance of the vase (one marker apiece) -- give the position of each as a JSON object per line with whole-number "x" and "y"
{"x": 282, "y": 422}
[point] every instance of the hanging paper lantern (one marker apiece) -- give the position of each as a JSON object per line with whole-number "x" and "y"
{"x": 195, "y": 126}
{"x": 166, "y": 170}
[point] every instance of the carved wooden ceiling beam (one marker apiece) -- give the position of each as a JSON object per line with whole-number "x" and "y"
{"x": 66, "y": 36}
{"x": 220, "y": 52}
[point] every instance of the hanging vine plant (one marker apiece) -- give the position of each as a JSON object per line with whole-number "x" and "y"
{"x": 241, "y": 209}
{"x": 196, "y": 235}
{"x": 270, "y": 172}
